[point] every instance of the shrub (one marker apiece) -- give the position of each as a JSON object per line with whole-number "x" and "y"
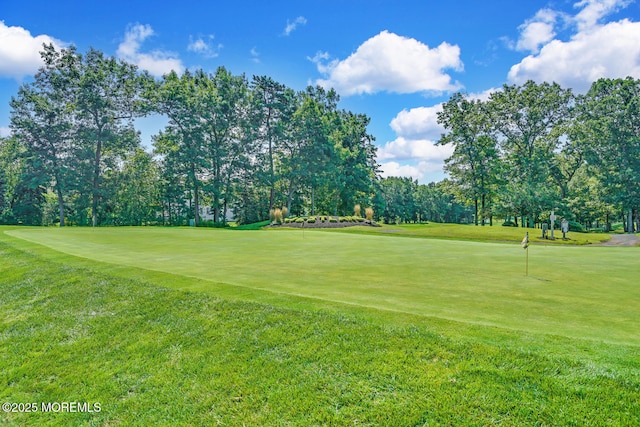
{"x": 356, "y": 210}
{"x": 277, "y": 216}
{"x": 299, "y": 220}
{"x": 368, "y": 213}
{"x": 332, "y": 219}
{"x": 272, "y": 214}
{"x": 575, "y": 226}
{"x": 285, "y": 212}
{"x": 509, "y": 224}
{"x": 360, "y": 219}
{"x": 311, "y": 220}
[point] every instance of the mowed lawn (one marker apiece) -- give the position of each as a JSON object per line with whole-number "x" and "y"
{"x": 581, "y": 292}
{"x": 115, "y": 333}
{"x": 496, "y": 233}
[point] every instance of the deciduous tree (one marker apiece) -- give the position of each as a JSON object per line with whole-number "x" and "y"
{"x": 474, "y": 164}
{"x": 42, "y": 119}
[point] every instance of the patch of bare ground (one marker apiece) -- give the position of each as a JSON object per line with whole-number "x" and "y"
{"x": 622, "y": 240}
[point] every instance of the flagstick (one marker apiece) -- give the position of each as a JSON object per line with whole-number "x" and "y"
{"x": 525, "y": 245}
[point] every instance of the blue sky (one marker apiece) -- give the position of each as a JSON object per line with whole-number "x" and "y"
{"x": 395, "y": 61}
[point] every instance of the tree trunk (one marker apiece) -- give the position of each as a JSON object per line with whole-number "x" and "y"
{"x": 271, "y": 198}
{"x": 96, "y": 181}
{"x": 196, "y": 203}
{"x": 60, "y": 203}
{"x": 483, "y": 209}
{"x": 290, "y": 196}
{"x": 196, "y": 196}
{"x": 475, "y": 203}
{"x": 630, "y": 221}
{"x": 217, "y": 185}
{"x": 272, "y": 189}
{"x": 272, "y": 174}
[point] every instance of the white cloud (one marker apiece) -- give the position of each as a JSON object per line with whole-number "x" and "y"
{"x": 255, "y": 55}
{"x": 594, "y": 10}
{"x": 392, "y": 63}
{"x": 320, "y": 58}
{"x": 484, "y": 95}
{"x": 405, "y": 149}
{"x": 4, "y": 132}
{"x": 421, "y": 122}
{"x": 204, "y": 47}
{"x": 157, "y": 62}
{"x": 414, "y": 152}
{"x": 537, "y": 31}
{"x": 422, "y": 171}
{"x": 611, "y": 50}
{"x": 396, "y": 169}
{"x": 20, "y": 51}
{"x": 291, "y": 26}
{"x": 595, "y": 50}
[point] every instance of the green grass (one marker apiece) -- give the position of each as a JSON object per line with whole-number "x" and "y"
{"x": 205, "y": 345}
{"x": 584, "y": 292}
{"x": 495, "y": 233}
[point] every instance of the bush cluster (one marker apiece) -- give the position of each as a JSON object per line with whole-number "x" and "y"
{"x": 368, "y": 213}
{"x": 276, "y": 218}
{"x": 575, "y": 226}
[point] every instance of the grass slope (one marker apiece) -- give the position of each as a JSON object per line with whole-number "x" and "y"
{"x": 487, "y": 233}
{"x": 150, "y": 355}
{"x": 583, "y": 292}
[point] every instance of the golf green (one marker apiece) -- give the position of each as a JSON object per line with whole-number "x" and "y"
{"x": 583, "y": 292}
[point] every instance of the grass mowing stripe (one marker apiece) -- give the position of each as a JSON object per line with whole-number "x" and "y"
{"x": 157, "y": 356}
{"x": 586, "y": 292}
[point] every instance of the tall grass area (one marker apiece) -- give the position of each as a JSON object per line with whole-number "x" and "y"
{"x": 74, "y": 329}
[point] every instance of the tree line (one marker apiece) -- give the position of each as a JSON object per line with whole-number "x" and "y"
{"x": 534, "y": 148}
{"x": 239, "y": 147}
{"x": 232, "y": 146}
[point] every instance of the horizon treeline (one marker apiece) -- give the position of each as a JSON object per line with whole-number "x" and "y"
{"x": 239, "y": 148}
{"x": 231, "y": 146}
{"x": 531, "y": 149}
{"x": 534, "y": 148}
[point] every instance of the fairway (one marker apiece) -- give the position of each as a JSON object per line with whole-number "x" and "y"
{"x": 580, "y": 292}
